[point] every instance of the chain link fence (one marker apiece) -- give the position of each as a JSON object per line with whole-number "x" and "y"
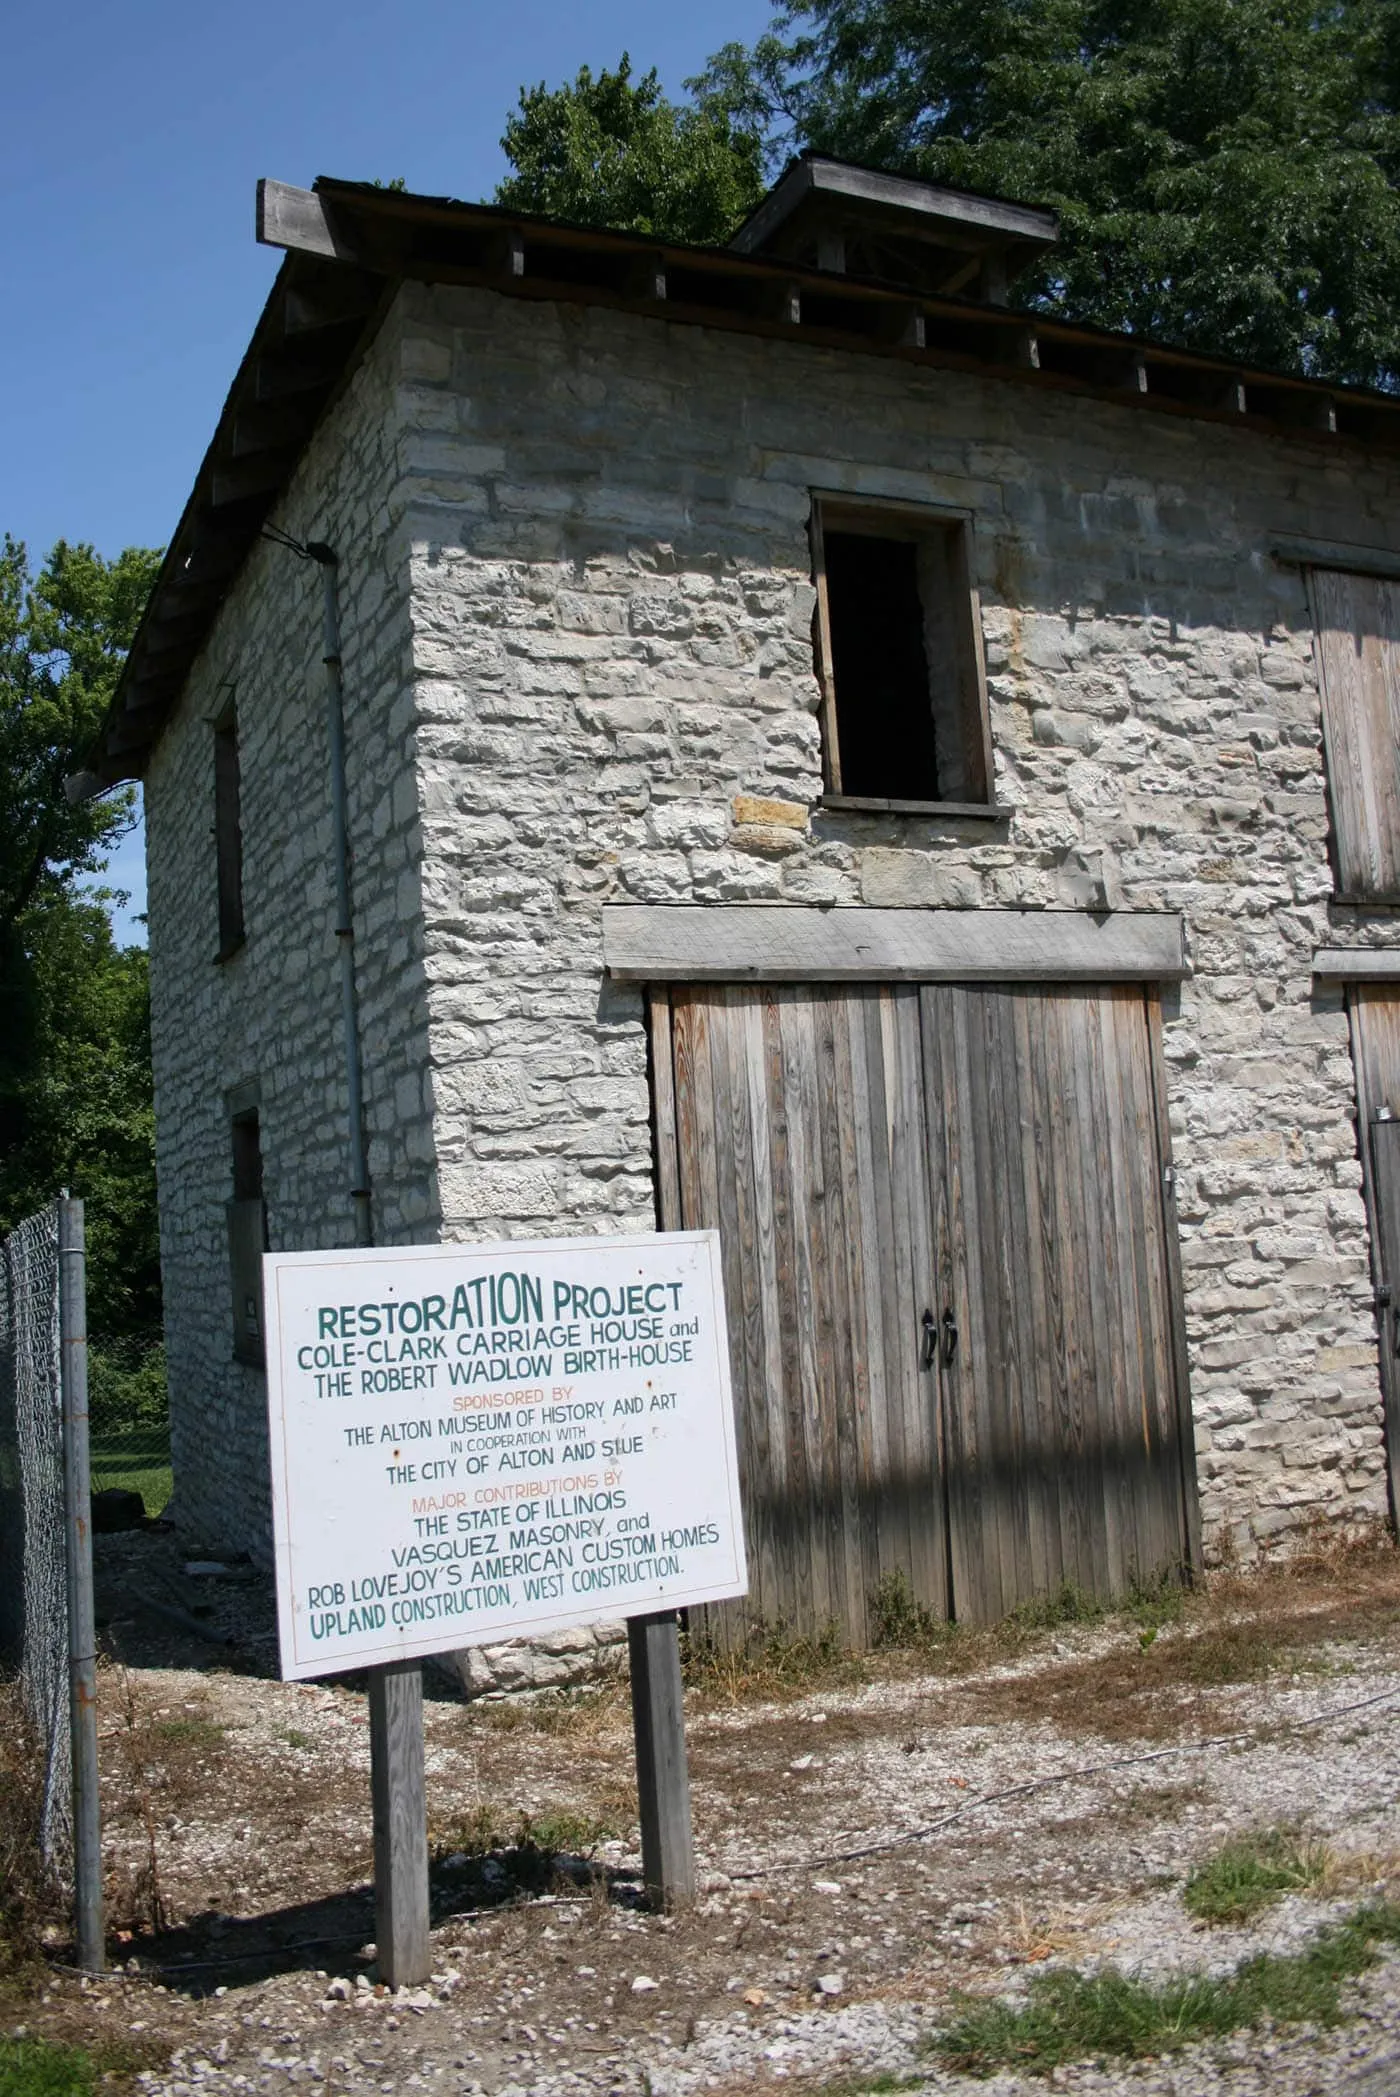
{"x": 33, "y": 1557}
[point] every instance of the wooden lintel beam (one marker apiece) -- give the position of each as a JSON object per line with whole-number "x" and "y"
{"x": 797, "y": 943}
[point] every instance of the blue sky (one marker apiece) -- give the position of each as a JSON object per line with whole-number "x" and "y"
{"x": 131, "y": 138}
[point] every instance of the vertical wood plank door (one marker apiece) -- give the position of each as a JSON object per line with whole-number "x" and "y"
{"x": 791, "y": 1119}
{"x": 1062, "y": 1421}
{"x": 1375, "y": 1036}
{"x": 1357, "y": 621}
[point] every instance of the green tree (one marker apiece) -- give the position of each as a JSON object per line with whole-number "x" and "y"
{"x": 1225, "y": 170}
{"x": 75, "y": 1068}
{"x": 614, "y": 152}
{"x": 63, "y": 639}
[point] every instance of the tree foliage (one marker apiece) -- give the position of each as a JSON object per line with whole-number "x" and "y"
{"x": 63, "y": 638}
{"x": 615, "y": 152}
{"x": 1227, "y": 171}
{"x": 75, "y": 1069}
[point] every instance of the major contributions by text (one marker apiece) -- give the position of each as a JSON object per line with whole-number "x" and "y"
{"x": 474, "y": 1445}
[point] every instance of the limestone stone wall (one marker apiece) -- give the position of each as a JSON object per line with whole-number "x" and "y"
{"x": 270, "y": 1016}
{"x": 613, "y": 679}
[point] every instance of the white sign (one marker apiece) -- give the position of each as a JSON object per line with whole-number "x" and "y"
{"x": 474, "y": 1442}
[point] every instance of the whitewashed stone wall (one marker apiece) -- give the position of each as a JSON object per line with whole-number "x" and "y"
{"x": 271, "y": 1015}
{"x": 615, "y": 700}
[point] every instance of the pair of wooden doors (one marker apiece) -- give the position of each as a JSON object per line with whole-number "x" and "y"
{"x": 948, "y": 1259}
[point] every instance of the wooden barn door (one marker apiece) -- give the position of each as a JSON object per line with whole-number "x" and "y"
{"x": 948, "y": 1263}
{"x": 791, "y": 1119}
{"x": 1060, "y": 1360}
{"x": 1375, "y": 1029}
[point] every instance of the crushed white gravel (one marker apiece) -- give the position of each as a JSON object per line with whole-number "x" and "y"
{"x": 831, "y": 1935}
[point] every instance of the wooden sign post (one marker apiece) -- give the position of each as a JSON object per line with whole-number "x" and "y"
{"x": 479, "y": 1442}
{"x": 401, "y": 1944}
{"x": 663, "y": 1778}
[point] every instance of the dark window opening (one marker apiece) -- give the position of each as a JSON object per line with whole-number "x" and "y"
{"x": 904, "y": 715}
{"x": 228, "y": 836}
{"x": 884, "y": 722}
{"x": 247, "y": 1239}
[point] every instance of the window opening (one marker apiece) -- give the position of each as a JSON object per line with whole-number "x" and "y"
{"x": 899, "y": 650}
{"x": 247, "y": 1238}
{"x": 228, "y": 834}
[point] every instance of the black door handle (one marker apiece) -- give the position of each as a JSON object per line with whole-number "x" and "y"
{"x": 950, "y": 1337}
{"x": 930, "y": 1340}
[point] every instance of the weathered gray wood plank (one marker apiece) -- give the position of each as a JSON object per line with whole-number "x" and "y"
{"x": 1184, "y": 1419}
{"x": 288, "y": 217}
{"x": 402, "y": 1947}
{"x": 742, "y": 943}
{"x": 1357, "y": 621}
{"x": 1375, "y": 1031}
{"x": 663, "y": 1777}
{"x": 663, "y": 1111}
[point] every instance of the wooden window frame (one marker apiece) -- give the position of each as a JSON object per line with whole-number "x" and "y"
{"x": 228, "y": 834}
{"x": 887, "y": 518}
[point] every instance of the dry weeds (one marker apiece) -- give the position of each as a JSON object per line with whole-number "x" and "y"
{"x": 1237, "y": 1629}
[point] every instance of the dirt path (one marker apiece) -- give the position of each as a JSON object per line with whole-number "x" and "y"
{"x": 870, "y": 1841}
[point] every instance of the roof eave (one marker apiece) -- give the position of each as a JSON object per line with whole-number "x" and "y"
{"x": 349, "y": 245}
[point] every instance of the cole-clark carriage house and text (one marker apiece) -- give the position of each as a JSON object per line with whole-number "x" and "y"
{"x": 777, "y": 739}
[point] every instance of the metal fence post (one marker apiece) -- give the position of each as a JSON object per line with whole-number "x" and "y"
{"x": 82, "y": 1630}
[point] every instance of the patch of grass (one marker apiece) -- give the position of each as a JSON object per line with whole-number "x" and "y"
{"x": 1249, "y": 1872}
{"x": 561, "y": 1832}
{"x": 190, "y": 1732}
{"x": 773, "y": 1662}
{"x": 858, "y": 2085}
{"x": 1069, "y": 2016}
{"x": 1066, "y": 1604}
{"x": 33, "y": 2068}
{"x": 897, "y": 1619}
{"x": 137, "y": 1459}
{"x": 1153, "y": 1604}
{"x": 294, "y": 1739}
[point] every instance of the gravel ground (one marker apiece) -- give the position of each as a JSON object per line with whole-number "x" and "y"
{"x": 867, "y": 1848}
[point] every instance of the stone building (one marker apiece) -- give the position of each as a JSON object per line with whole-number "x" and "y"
{"x": 829, "y": 756}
